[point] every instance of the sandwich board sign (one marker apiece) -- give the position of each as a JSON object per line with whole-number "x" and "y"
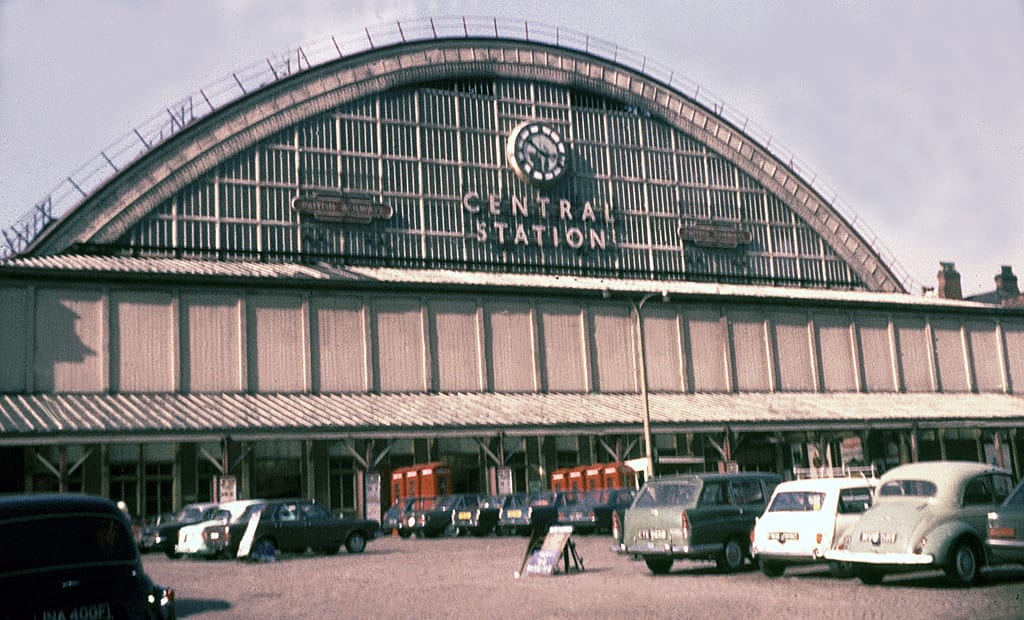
{"x": 543, "y": 555}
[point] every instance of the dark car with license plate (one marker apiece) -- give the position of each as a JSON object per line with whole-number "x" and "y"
{"x": 73, "y": 556}
{"x": 593, "y": 511}
{"x": 296, "y": 526}
{"x": 452, "y": 515}
{"x": 396, "y": 518}
{"x": 514, "y": 516}
{"x": 698, "y": 516}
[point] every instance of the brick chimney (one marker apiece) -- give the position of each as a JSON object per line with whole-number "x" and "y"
{"x": 1006, "y": 284}
{"x": 949, "y": 282}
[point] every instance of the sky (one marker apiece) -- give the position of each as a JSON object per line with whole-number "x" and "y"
{"x": 909, "y": 113}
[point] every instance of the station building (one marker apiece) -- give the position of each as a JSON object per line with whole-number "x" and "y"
{"x": 503, "y": 251}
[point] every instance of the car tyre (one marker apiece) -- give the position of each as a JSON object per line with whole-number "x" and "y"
{"x": 840, "y": 570}
{"x": 869, "y": 575}
{"x": 451, "y": 531}
{"x": 659, "y": 565}
{"x": 772, "y": 569}
{"x": 963, "y": 567}
{"x": 730, "y": 559}
{"x": 355, "y": 543}
{"x": 404, "y": 533}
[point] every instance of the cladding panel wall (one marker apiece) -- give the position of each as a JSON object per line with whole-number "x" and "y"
{"x": 985, "y": 355}
{"x": 511, "y": 341}
{"x": 278, "y": 333}
{"x": 400, "y": 350}
{"x": 143, "y": 334}
{"x": 749, "y": 351}
{"x": 612, "y": 347}
{"x": 876, "y": 360}
{"x": 793, "y": 353}
{"x": 950, "y": 356}
{"x": 15, "y": 338}
{"x": 342, "y": 350}
{"x": 213, "y": 357}
{"x": 915, "y": 361}
{"x": 705, "y": 349}
{"x": 563, "y": 347}
{"x": 1013, "y": 335}
{"x": 456, "y": 344}
{"x": 835, "y": 353}
{"x": 71, "y": 341}
{"x": 663, "y": 348}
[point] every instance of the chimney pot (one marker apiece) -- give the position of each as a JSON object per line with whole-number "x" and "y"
{"x": 949, "y": 282}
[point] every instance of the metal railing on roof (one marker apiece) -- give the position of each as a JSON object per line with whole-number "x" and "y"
{"x": 78, "y": 185}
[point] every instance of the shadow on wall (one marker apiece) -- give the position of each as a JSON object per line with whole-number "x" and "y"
{"x": 58, "y": 344}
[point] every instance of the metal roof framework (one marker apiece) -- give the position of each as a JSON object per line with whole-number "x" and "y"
{"x": 50, "y": 419}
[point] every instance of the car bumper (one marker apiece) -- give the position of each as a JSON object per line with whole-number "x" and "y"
{"x": 669, "y": 549}
{"x": 881, "y": 559}
{"x": 1006, "y": 550}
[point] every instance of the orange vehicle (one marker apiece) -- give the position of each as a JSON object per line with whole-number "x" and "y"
{"x": 593, "y": 477}
{"x": 421, "y": 480}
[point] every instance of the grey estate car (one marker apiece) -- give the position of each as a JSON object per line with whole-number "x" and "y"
{"x": 699, "y": 516}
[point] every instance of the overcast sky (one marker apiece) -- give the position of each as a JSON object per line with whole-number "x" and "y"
{"x": 912, "y": 112}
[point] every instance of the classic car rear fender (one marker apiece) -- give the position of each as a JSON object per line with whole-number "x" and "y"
{"x": 940, "y": 540}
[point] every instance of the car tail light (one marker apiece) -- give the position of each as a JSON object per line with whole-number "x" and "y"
{"x": 818, "y": 538}
{"x": 684, "y": 524}
{"x": 1001, "y": 532}
{"x": 616, "y": 526}
{"x": 751, "y": 535}
{"x": 919, "y": 547}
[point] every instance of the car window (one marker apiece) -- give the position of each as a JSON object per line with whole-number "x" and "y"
{"x": 853, "y": 501}
{"x": 797, "y": 501}
{"x": 715, "y": 494}
{"x": 978, "y": 491}
{"x": 913, "y": 488}
{"x": 1002, "y": 485}
{"x": 287, "y": 512}
{"x": 667, "y": 494}
{"x": 1017, "y": 498}
{"x": 64, "y": 541}
{"x": 747, "y": 492}
{"x": 314, "y": 511}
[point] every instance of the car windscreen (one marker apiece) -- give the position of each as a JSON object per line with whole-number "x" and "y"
{"x": 797, "y": 501}
{"x": 64, "y": 540}
{"x": 667, "y": 494}
{"x": 908, "y": 488}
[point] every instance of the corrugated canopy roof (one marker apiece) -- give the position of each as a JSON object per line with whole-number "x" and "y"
{"x": 70, "y": 418}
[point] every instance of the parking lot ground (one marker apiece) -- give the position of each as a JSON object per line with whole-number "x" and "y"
{"x": 474, "y": 578}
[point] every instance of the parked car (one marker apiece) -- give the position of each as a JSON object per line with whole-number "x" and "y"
{"x": 926, "y": 516}
{"x": 73, "y": 556}
{"x": 148, "y": 536}
{"x": 543, "y": 509}
{"x": 591, "y": 511}
{"x": 219, "y": 535}
{"x": 699, "y": 516}
{"x": 297, "y": 525}
{"x": 1005, "y": 541}
{"x": 167, "y": 534}
{"x": 805, "y": 518}
{"x": 514, "y": 516}
{"x": 451, "y": 515}
{"x": 396, "y": 518}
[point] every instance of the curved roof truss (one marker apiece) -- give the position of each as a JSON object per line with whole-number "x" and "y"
{"x": 112, "y": 209}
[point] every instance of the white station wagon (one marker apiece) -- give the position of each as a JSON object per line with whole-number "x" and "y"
{"x": 804, "y": 518}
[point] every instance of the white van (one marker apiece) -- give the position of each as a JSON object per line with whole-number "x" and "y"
{"x": 804, "y": 518}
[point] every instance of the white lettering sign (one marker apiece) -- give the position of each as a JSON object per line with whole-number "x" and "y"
{"x": 515, "y": 222}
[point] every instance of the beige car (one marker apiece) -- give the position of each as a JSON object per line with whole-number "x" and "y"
{"x": 926, "y": 516}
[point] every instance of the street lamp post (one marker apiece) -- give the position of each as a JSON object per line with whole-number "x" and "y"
{"x": 640, "y": 373}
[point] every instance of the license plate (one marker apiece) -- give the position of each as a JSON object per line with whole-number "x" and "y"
{"x": 878, "y": 538}
{"x": 515, "y": 514}
{"x": 783, "y": 536}
{"x": 576, "y": 516}
{"x": 465, "y": 515}
{"x": 652, "y": 534}
{"x": 96, "y": 611}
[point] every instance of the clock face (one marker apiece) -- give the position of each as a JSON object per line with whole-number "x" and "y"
{"x": 537, "y": 152}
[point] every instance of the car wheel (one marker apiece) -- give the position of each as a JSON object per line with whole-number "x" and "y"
{"x": 659, "y": 565}
{"x": 404, "y": 533}
{"x": 962, "y": 567}
{"x": 773, "y": 569}
{"x": 264, "y": 550}
{"x": 169, "y": 552}
{"x": 730, "y": 559}
{"x": 451, "y": 531}
{"x": 869, "y": 576}
{"x": 840, "y": 570}
{"x": 355, "y": 543}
